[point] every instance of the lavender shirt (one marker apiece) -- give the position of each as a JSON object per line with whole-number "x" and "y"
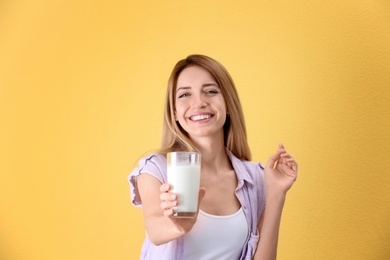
{"x": 250, "y": 193}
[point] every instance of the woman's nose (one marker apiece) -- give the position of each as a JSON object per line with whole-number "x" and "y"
{"x": 199, "y": 101}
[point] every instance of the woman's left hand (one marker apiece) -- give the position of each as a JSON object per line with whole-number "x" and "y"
{"x": 281, "y": 171}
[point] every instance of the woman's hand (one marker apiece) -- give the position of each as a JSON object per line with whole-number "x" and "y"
{"x": 280, "y": 171}
{"x": 169, "y": 201}
{"x": 280, "y": 174}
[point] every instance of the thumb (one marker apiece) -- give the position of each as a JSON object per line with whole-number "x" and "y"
{"x": 202, "y": 192}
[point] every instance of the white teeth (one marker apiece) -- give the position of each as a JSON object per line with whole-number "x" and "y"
{"x": 200, "y": 117}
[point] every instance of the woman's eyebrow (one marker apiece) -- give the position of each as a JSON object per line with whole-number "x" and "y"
{"x": 203, "y": 86}
{"x": 182, "y": 88}
{"x": 210, "y": 84}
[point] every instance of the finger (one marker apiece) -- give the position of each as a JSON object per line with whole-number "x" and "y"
{"x": 167, "y": 196}
{"x": 166, "y": 205}
{"x": 285, "y": 158}
{"x": 169, "y": 212}
{"x": 285, "y": 154}
{"x": 281, "y": 149}
{"x": 165, "y": 187}
{"x": 201, "y": 194}
{"x": 292, "y": 164}
{"x": 295, "y": 167}
{"x": 272, "y": 161}
{"x": 291, "y": 160}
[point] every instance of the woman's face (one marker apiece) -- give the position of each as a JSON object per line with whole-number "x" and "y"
{"x": 199, "y": 104}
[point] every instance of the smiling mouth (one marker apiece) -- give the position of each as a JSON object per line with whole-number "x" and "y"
{"x": 200, "y": 117}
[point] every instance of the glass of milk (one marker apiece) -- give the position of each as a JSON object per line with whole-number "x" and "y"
{"x": 184, "y": 175}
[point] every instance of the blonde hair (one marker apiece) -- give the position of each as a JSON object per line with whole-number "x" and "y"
{"x": 175, "y": 138}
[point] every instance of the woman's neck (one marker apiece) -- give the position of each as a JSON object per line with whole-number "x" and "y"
{"x": 214, "y": 159}
{"x": 212, "y": 149}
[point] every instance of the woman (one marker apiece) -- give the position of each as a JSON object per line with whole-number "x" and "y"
{"x": 203, "y": 113}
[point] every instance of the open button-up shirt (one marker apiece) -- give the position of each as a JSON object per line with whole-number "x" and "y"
{"x": 250, "y": 192}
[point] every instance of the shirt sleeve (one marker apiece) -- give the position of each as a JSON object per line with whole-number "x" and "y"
{"x": 155, "y": 165}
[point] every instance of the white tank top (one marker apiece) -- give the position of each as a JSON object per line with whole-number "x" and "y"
{"x": 216, "y": 237}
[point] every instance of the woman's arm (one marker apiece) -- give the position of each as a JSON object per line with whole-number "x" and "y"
{"x": 157, "y": 205}
{"x": 269, "y": 227}
{"x": 280, "y": 174}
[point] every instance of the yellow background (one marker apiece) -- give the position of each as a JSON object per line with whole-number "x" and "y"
{"x": 82, "y": 85}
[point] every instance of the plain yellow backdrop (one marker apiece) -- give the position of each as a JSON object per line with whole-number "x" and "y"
{"x": 82, "y": 85}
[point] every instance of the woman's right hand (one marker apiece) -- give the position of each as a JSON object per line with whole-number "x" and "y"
{"x": 169, "y": 201}
{"x": 158, "y": 202}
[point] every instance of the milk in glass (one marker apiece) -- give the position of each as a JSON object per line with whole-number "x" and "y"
{"x": 184, "y": 175}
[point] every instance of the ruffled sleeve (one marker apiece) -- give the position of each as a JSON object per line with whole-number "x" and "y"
{"x": 155, "y": 165}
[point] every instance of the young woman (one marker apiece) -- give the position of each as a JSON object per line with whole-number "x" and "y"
{"x": 240, "y": 202}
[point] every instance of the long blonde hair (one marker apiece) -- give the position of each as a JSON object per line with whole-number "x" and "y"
{"x": 175, "y": 138}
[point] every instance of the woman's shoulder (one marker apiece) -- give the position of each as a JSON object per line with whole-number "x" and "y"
{"x": 153, "y": 157}
{"x": 153, "y": 164}
{"x": 156, "y": 159}
{"x": 251, "y": 167}
{"x": 235, "y": 159}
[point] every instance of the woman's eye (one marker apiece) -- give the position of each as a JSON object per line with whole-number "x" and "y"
{"x": 212, "y": 91}
{"x": 182, "y": 95}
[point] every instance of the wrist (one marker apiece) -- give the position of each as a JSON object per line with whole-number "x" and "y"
{"x": 275, "y": 196}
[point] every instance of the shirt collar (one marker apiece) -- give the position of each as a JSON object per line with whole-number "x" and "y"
{"x": 240, "y": 169}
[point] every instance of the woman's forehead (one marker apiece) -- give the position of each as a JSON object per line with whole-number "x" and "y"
{"x": 194, "y": 75}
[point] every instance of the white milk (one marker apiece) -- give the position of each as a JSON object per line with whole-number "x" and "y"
{"x": 185, "y": 181}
